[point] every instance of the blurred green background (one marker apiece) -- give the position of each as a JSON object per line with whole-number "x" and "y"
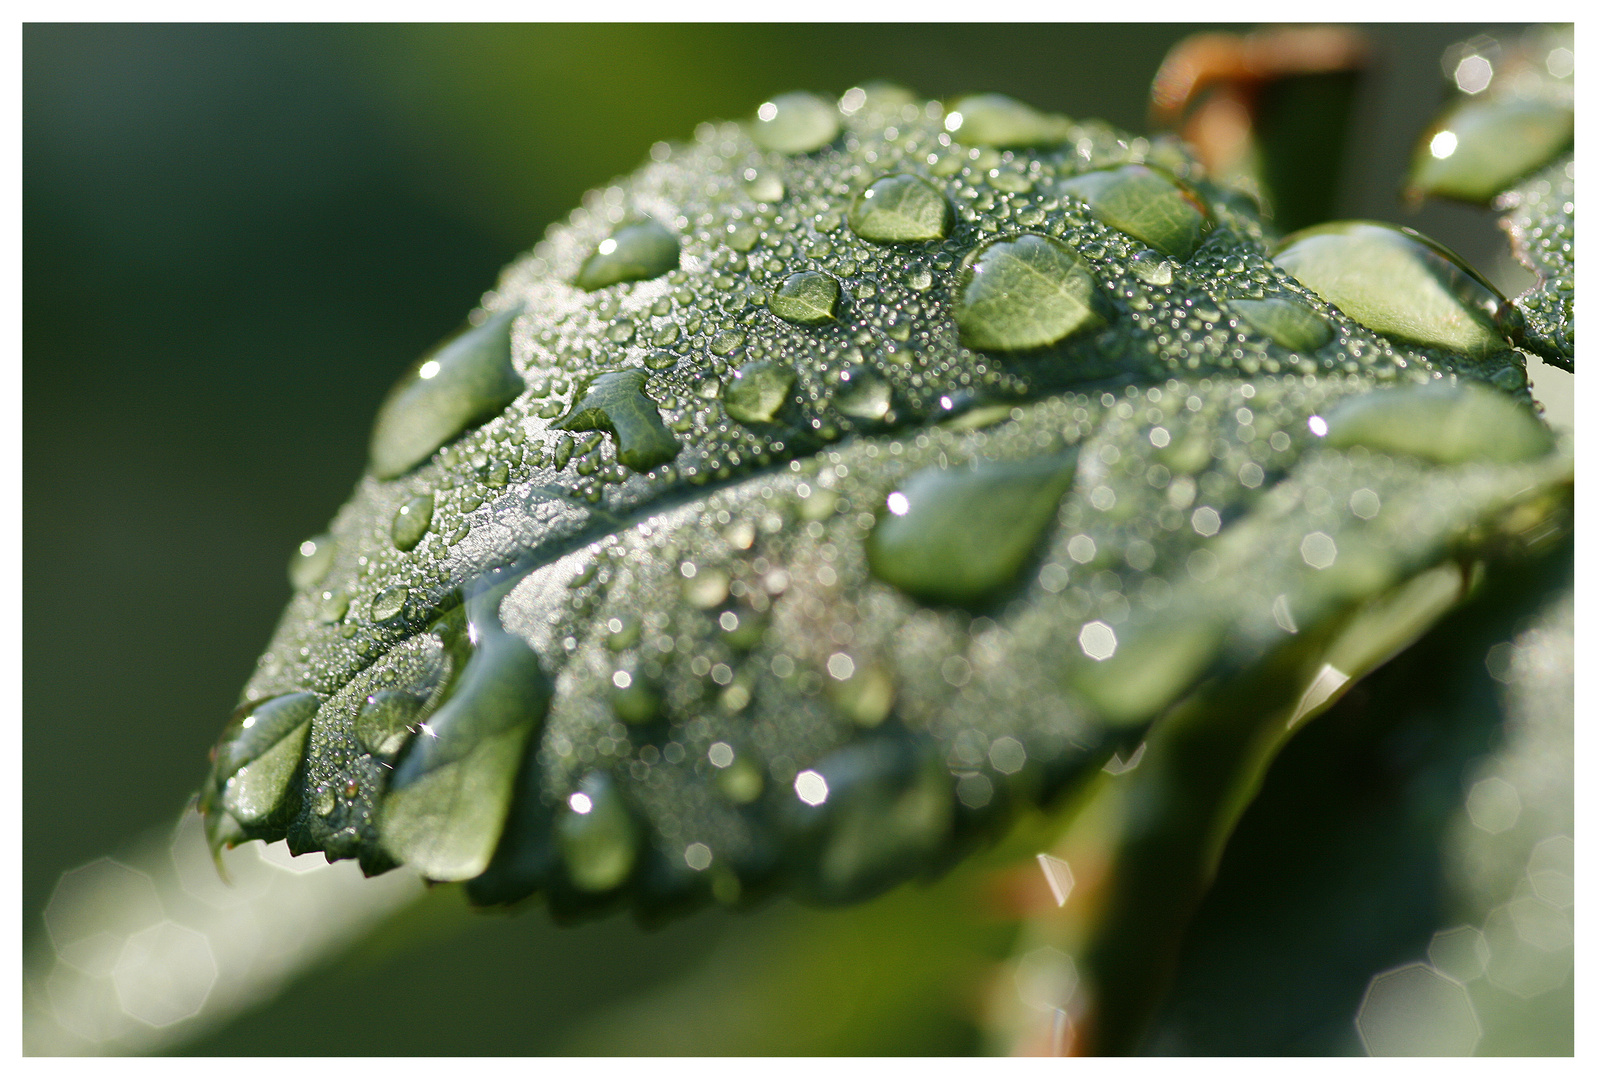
{"x": 236, "y": 237}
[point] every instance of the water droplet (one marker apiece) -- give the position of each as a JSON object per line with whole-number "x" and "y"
{"x": 389, "y": 602}
{"x": 808, "y": 298}
{"x": 961, "y": 535}
{"x": 900, "y": 208}
{"x": 1024, "y": 293}
{"x": 1481, "y": 145}
{"x": 332, "y": 605}
{"x": 311, "y": 561}
{"x": 412, "y": 521}
{"x": 636, "y": 252}
{"x": 326, "y": 802}
{"x": 876, "y": 811}
{"x": 1003, "y": 122}
{"x": 446, "y": 803}
{"x": 1146, "y": 204}
{"x": 597, "y": 836}
{"x": 1444, "y": 424}
{"x": 256, "y": 758}
{"x": 1398, "y": 283}
{"x": 463, "y": 382}
{"x": 614, "y": 401}
{"x": 1291, "y": 324}
{"x": 386, "y": 720}
{"x": 767, "y": 188}
{"x": 635, "y": 699}
{"x": 757, "y": 393}
{"x": 795, "y": 123}
{"x": 864, "y": 397}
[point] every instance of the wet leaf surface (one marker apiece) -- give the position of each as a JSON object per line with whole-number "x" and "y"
{"x": 675, "y": 631}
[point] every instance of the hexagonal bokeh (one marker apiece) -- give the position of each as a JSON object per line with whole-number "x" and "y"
{"x": 1519, "y": 963}
{"x": 165, "y": 974}
{"x": 1460, "y": 953}
{"x": 94, "y": 908}
{"x": 1552, "y": 871}
{"x": 1493, "y": 805}
{"x": 1416, "y": 1011}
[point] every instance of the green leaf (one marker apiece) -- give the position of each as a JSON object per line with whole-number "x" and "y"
{"x": 1507, "y": 141}
{"x": 724, "y": 603}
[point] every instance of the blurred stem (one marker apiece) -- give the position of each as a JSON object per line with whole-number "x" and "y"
{"x": 1267, "y": 112}
{"x": 1172, "y": 815}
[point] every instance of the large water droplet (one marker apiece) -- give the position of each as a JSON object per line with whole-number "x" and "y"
{"x": 885, "y": 807}
{"x": 795, "y": 123}
{"x": 412, "y": 521}
{"x": 597, "y": 835}
{"x": 386, "y": 721}
{"x": 1291, "y": 324}
{"x": 257, "y": 756}
{"x": 311, "y": 561}
{"x": 757, "y": 393}
{"x": 614, "y": 401}
{"x": 900, "y": 208}
{"x": 808, "y": 298}
{"x": 636, "y": 252}
{"x": 961, "y": 535}
{"x": 1444, "y": 424}
{"x": 1024, "y": 293}
{"x": 1003, "y": 122}
{"x": 446, "y": 804}
{"x": 1398, "y": 283}
{"x": 463, "y": 382}
{"x": 1146, "y": 204}
{"x": 389, "y": 602}
{"x": 864, "y": 397}
{"x": 1481, "y": 146}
